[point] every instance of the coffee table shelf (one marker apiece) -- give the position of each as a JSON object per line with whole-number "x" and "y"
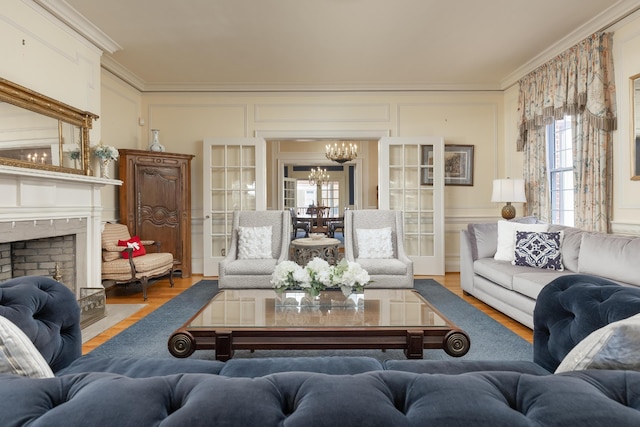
{"x": 263, "y": 320}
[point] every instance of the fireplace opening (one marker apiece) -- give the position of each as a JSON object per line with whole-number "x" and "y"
{"x": 50, "y": 256}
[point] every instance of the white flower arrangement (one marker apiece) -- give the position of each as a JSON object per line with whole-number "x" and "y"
{"x": 318, "y": 275}
{"x": 105, "y": 152}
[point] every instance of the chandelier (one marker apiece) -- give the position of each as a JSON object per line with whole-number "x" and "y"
{"x": 318, "y": 176}
{"x": 342, "y": 153}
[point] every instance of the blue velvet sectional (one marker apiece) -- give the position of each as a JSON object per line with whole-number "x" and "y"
{"x": 325, "y": 391}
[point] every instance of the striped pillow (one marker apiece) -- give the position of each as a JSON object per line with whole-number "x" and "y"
{"x": 18, "y": 355}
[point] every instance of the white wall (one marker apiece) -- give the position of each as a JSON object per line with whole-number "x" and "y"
{"x": 626, "y": 197}
{"x": 44, "y": 55}
{"x": 185, "y": 119}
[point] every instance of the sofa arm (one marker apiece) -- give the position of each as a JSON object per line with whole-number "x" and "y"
{"x": 570, "y": 308}
{"x": 48, "y": 313}
{"x": 466, "y": 262}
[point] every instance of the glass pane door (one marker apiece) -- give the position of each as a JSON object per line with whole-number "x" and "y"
{"x": 412, "y": 180}
{"x": 234, "y": 179}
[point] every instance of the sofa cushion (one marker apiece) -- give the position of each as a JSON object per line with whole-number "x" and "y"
{"x": 249, "y": 267}
{"x": 500, "y": 272}
{"x": 254, "y": 242}
{"x": 571, "y": 240}
{"x": 334, "y": 365}
{"x": 461, "y": 366}
{"x": 18, "y": 355}
{"x": 613, "y": 257}
{"x": 374, "y": 243}
{"x": 507, "y": 237}
{"x": 483, "y": 236}
{"x": 133, "y": 243}
{"x": 531, "y": 283}
{"x": 381, "y": 398}
{"x": 614, "y": 346}
{"x": 391, "y": 266}
{"x": 141, "y": 367}
{"x": 539, "y": 250}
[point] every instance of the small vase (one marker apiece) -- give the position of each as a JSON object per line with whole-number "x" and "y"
{"x": 155, "y": 141}
{"x": 104, "y": 167}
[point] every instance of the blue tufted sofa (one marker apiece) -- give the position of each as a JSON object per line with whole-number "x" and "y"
{"x": 321, "y": 391}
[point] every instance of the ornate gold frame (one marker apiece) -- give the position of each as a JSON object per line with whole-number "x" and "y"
{"x": 22, "y": 97}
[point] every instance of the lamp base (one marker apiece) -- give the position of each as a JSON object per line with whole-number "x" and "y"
{"x": 508, "y": 211}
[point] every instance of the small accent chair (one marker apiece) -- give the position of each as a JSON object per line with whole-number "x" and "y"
{"x": 117, "y": 270}
{"x": 335, "y": 225}
{"x": 255, "y": 273}
{"x": 298, "y": 223}
{"x": 393, "y": 272}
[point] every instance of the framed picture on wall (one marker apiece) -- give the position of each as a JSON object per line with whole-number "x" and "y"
{"x": 458, "y": 165}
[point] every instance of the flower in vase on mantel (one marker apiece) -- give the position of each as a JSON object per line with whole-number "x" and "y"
{"x": 105, "y": 152}
{"x": 74, "y": 154}
{"x": 318, "y": 275}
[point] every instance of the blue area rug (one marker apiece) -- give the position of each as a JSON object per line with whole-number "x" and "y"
{"x": 148, "y": 337}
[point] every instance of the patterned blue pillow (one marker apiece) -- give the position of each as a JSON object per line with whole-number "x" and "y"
{"x": 540, "y": 250}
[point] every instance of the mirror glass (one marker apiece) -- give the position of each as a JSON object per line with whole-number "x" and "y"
{"x": 42, "y": 133}
{"x": 635, "y": 126}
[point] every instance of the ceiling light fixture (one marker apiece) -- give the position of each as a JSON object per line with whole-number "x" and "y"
{"x": 342, "y": 153}
{"x": 318, "y": 176}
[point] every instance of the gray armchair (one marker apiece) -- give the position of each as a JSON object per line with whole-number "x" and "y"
{"x": 234, "y": 272}
{"x": 395, "y": 270}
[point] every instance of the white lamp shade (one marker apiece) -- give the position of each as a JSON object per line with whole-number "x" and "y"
{"x": 508, "y": 190}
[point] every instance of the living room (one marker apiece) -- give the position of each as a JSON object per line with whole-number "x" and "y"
{"x": 290, "y": 122}
{"x": 485, "y": 119}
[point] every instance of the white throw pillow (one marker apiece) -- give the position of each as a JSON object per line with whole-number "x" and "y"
{"x": 507, "y": 237}
{"x": 374, "y": 243}
{"x": 254, "y": 242}
{"x": 18, "y": 355}
{"x": 615, "y": 346}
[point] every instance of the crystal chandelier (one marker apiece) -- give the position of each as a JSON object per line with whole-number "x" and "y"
{"x": 342, "y": 153}
{"x": 318, "y": 176}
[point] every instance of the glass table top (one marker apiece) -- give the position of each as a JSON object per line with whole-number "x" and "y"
{"x": 264, "y": 308}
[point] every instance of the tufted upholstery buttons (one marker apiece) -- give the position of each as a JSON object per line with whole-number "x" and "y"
{"x": 48, "y": 313}
{"x": 571, "y": 307}
{"x": 381, "y": 398}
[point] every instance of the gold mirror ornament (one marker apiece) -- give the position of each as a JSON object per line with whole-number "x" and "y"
{"x": 634, "y": 96}
{"x": 39, "y": 132}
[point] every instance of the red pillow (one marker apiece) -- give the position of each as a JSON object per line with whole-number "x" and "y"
{"x": 134, "y": 243}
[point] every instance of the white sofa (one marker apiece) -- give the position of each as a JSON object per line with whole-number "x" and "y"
{"x": 513, "y": 289}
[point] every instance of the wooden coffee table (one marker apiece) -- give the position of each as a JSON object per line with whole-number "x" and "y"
{"x": 254, "y": 319}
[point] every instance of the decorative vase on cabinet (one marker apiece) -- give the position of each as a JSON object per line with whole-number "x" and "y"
{"x": 155, "y": 201}
{"x": 155, "y": 141}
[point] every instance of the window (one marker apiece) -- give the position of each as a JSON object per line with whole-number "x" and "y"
{"x": 307, "y": 194}
{"x": 560, "y": 167}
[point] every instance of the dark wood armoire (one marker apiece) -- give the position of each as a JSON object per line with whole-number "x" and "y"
{"x": 155, "y": 201}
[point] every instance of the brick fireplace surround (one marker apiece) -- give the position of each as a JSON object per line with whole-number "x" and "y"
{"x": 61, "y": 215}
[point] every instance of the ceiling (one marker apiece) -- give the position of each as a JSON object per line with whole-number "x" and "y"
{"x": 161, "y": 45}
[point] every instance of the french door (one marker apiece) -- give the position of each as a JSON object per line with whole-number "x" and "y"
{"x": 234, "y": 178}
{"x": 411, "y": 179}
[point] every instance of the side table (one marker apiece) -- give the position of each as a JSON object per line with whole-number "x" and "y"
{"x": 304, "y": 250}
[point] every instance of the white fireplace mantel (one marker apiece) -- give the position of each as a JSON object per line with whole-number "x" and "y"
{"x": 37, "y": 195}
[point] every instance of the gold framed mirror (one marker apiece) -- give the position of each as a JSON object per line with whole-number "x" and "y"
{"x": 634, "y": 96}
{"x": 39, "y": 132}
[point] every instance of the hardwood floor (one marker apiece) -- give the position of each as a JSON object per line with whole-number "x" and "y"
{"x": 160, "y": 293}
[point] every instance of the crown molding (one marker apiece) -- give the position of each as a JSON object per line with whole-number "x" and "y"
{"x": 606, "y": 20}
{"x": 71, "y": 17}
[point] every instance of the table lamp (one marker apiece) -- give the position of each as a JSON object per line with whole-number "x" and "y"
{"x": 508, "y": 190}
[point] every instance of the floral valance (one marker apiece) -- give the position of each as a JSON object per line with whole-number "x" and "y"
{"x": 580, "y": 80}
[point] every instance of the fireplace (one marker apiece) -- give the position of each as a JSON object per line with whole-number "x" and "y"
{"x": 56, "y": 219}
{"x": 53, "y": 248}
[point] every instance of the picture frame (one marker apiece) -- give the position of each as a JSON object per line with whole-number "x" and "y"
{"x": 458, "y": 165}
